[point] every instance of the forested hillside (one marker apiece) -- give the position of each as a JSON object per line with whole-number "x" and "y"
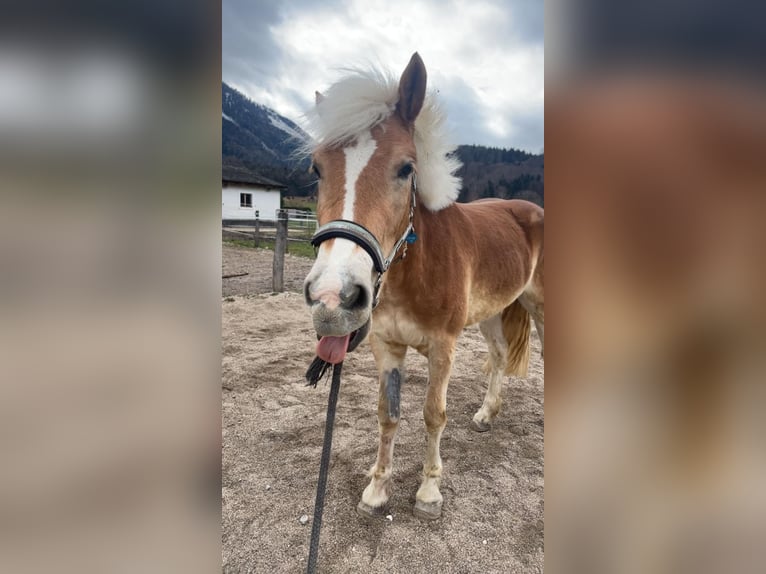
{"x": 504, "y": 173}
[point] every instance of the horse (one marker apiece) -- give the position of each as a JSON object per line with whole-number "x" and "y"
{"x": 387, "y": 185}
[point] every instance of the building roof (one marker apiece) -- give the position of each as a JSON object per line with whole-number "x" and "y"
{"x": 243, "y": 175}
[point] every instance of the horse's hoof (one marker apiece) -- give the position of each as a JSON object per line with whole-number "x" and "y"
{"x": 367, "y": 511}
{"x": 480, "y": 426}
{"x": 427, "y": 510}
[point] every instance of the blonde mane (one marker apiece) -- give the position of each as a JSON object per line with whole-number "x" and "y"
{"x": 366, "y": 98}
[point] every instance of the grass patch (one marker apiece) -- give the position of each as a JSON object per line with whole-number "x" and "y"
{"x": 298, "y": 248}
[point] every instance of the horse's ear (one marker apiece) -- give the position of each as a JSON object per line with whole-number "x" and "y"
{"x": 318, "y": 97}
{"x": 412, "y": 89}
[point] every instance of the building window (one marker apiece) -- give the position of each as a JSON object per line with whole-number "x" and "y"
{"x": 246, "y": 200}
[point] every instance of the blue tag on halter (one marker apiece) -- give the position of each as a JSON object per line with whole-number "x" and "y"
{"x": 411, "y": 237}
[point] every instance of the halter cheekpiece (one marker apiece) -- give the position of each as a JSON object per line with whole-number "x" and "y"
{"x": 345, "y": 229}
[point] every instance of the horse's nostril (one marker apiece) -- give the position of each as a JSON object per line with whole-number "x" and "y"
{"x": 354, "y": 297}
{"x": 307, "y": 292}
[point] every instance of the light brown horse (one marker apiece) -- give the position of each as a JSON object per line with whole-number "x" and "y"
{"x": 386, "y": 197}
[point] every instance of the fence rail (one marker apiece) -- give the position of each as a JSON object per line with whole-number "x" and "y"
{"x": 289, "y": 226}
{"x": 301, "y": 217}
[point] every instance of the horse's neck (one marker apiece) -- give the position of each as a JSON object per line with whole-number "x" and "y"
{"x": 421, "y": 265}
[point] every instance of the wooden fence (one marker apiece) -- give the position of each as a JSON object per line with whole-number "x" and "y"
{"x": 290, "y": 225}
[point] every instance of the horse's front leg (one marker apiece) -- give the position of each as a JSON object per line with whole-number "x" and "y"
{"x": 428, "y": 500}
{"x": 389, "y": 358}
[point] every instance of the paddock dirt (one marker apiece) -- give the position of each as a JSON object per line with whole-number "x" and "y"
{"x": 273, "y": 426}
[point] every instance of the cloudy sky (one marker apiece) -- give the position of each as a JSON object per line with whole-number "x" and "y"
{"x": 485, "y": 57}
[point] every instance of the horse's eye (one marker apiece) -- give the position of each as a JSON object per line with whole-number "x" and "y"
{"x": 405, "y": 171}
{"x": 315, "y": 170}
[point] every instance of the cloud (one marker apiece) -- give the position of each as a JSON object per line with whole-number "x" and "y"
{"x": 484, "y": 57}
{"x": 249, "y": 52}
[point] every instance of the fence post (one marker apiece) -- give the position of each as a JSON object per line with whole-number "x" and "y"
{"x": 257, "y": 230}
{"x": 280, "y": 246}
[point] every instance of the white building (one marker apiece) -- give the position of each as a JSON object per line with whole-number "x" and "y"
{"x": 245, "y": 193}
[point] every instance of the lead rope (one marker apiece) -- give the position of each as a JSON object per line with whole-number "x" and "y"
{"x": 324, "y": 465}
{"x": 318, "y": 369}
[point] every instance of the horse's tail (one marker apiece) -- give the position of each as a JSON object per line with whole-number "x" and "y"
{"x": 517, "y": 328}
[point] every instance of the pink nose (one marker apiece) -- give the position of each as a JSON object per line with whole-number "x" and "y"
{"x": 349, "y": 298}
{"x": 330, "y": 299}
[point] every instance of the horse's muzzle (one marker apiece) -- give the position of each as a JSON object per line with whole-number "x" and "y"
{"x": 339, "y": 312}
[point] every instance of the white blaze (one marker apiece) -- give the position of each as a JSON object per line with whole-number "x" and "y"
{"x": 357, "y": 157}
{"x": 337, "y": 264}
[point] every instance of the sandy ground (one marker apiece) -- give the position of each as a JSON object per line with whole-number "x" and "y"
{"x": 273, "y": 426}
{"x": 258, "y": 263}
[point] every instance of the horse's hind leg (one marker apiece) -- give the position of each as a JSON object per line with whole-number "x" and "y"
{"x": 492, "y": 329}
{"x": 533, "y": 302}
{"x": 390, "y": 361}
{"x": 507, "y": 336}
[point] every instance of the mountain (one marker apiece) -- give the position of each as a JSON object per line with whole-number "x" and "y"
{"x": 258, "y": 138}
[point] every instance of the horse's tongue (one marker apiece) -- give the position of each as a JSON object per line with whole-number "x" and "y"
{"x": 332, "y": 349}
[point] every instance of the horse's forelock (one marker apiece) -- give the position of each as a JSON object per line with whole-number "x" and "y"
{"x": 366, "y": 98}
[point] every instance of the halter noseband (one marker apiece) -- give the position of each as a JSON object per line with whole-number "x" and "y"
{"x": 345, "y": 229}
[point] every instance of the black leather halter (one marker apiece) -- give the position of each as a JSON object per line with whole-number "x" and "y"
{"x": 345, "y": 229}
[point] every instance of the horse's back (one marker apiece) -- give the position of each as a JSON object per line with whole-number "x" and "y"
{"x": 506, "y": 221}
{"x": 524, "y": 211}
